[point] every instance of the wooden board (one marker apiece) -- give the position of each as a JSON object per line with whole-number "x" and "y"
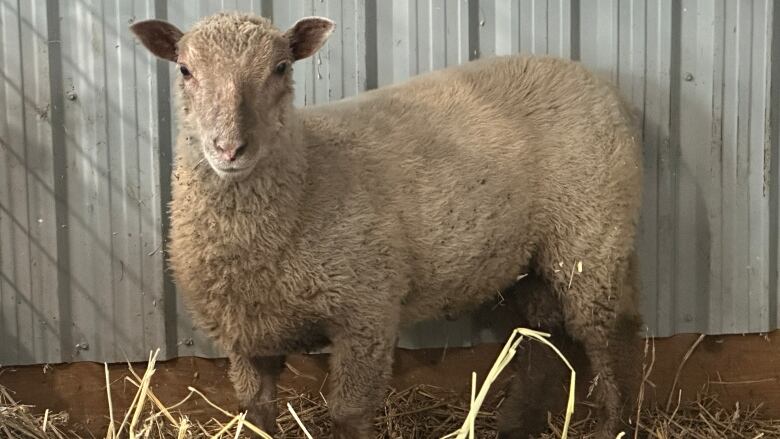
{"x": 738, "y": 368}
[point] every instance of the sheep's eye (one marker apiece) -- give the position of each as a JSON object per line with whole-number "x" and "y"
{"x": 281, "y": 68}
{"x": 185, "y": 71}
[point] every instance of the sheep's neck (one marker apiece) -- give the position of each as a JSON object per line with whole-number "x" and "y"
{"x": 259, "y": 214}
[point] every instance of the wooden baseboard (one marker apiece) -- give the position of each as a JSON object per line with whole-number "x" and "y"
{"x": 737, "y": 368}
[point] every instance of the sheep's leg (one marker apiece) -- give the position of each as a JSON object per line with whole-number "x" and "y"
{"x": 360, "y": 366}
{"x": 538, "y": 375}
{"x": 538, "y": 379}
{"x": 593, "y": 316}
{"x": 594, "y": 334}
{"x": 254, "y": 380}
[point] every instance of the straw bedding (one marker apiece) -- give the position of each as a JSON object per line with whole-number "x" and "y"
{"x": 420, "y": 411}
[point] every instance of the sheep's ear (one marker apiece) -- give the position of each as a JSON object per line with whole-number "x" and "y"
{"x": 160, "y": 37}
{"x": 308, "y": 34}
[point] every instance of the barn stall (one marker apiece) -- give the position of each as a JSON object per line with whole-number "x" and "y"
{"x": 87, "y": 146}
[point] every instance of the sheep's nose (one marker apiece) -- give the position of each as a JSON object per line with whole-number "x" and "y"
{"x": 231, "y": 153}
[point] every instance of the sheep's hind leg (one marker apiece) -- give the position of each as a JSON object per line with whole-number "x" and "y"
{"x": 538, "y": 375}
{"x": 360, "y": 366}
{"x": 537, "y": 387}
{"x": 593, "y": 316}
{"x": 254, "y": 380}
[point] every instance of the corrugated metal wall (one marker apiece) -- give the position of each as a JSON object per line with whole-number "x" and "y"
{"x": 86, "y": 150}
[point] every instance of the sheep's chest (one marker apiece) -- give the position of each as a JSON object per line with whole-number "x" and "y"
{"x": 235, "y": 298}
{"x": 249, "y": 329}
{"x": 225, "y": 254}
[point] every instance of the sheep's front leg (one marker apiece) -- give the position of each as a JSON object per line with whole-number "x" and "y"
{"x": 360, "y": 367}
{"x": 254, "y": 379}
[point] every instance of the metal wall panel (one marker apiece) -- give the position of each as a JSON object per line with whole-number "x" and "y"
{"x": 29, "y": 306}
{"x": 86, "y": 150}
{"x": 80, "y": 221}
{"x": 415, "y": 36}
{"x": 657, "y": 222}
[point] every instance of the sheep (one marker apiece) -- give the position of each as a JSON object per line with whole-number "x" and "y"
{"x": 335, "y": 225}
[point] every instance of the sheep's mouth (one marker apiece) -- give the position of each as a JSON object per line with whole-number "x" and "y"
{"x": 233, "y": 170}
{"x": 236, "y": 167}
{"x": 232, "y": 173}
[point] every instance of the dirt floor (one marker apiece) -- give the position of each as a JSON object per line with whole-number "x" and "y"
{"x": 736, "y": 368}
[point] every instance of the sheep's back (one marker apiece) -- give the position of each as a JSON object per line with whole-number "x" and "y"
{"x": 474, "y": 168}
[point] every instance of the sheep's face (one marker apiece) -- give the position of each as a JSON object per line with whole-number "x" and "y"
{"x": 235, "y": 82}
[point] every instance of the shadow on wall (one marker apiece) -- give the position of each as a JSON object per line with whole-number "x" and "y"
{"x": 12, "y": 349}
{"x": 674, "y": 239}
{"x": 99, "y": 167}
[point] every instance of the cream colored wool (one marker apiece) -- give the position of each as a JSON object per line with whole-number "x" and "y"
{"x": 336, "y": 224}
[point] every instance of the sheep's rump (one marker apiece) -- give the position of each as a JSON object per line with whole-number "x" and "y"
{"x": 477, "y": 170}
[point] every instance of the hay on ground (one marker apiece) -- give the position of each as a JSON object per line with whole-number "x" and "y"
{"x": 18, "y": 421}
{"x": 417, "y": 412}
{"x": 421, "y": 411}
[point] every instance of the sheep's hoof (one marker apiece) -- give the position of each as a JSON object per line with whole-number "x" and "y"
{"x": 346, "y": 429}
{"x": 521, "y": 422}
{"x": 514, "y": 434}
{"x": 608, "y": 430}
{"x": 263, "y": 418}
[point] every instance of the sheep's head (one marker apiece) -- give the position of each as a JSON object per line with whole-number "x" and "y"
{"x": 235, "y": 81}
